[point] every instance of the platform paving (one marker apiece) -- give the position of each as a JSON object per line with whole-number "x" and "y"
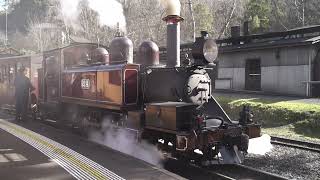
{"x": 19, "y": 160}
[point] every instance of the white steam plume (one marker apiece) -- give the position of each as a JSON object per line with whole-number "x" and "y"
{"x": 70, "y": 12}
{"x": 110, "y": 12}
{"x": 172, "y": 7}
{"x": 124, "y": 141}
{"x": 260, "y": 145}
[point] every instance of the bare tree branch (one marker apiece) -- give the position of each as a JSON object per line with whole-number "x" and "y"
{"x": 278, "y": 16}
{"x": 229, "y": 19}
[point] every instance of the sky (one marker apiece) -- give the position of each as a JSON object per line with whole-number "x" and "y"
{"x": 1, "y": 4}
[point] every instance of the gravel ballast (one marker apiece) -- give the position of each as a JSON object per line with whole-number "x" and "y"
{"x": 287, "y": 162}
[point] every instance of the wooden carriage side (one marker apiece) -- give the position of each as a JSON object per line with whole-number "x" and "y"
{"x": 9, "y": 67}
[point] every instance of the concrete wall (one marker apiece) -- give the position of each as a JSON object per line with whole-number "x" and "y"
{"x": 282, "y": 69}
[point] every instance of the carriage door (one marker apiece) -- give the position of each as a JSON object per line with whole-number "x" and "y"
{"x": 51, "y": 79}
{"x": 253, "y": 75}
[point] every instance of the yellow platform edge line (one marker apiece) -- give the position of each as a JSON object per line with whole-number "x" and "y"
{"x": 83, "y": 166}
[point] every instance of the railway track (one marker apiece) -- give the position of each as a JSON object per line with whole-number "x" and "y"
{"x": 296, "y": 144}
{"x": 237, "y": 171}
{"x": 218, "y": 172}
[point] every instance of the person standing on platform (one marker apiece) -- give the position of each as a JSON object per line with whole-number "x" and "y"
{"x": 23, "y": 87}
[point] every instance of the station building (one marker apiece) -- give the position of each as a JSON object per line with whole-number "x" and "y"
{"x": 285, "y": 63}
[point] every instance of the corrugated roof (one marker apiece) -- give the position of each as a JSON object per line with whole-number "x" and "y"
{"x": 8, "y": 52}
{"x": 294, "y": 37}
{"x": 271, "y": 44}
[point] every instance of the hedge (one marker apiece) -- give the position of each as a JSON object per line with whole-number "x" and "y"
{"x": 272, "y": 113}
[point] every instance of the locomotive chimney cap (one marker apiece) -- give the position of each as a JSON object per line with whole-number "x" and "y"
{"x": 173, "y": 19}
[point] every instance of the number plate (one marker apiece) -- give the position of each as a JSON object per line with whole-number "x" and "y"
{"x": 85, "y": 83}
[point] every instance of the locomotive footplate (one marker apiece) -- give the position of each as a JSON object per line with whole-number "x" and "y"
{"x": 209, "y": 138}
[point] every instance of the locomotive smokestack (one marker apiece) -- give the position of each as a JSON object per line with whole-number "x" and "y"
{"x": 173, "y": 20}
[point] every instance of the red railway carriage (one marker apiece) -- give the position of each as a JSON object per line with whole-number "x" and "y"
{"x": 9, "y": 67}
{"x": 81, "y": 76}
{"x": 54, "y": 62}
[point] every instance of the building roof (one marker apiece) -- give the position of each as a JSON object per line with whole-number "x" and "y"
{"x": 295, "y": 37}
{"x": 8, "y": 52}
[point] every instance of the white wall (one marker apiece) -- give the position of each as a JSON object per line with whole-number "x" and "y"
{"x": 237, "y": 76}
{"x": 284, "y": 79}
{"x": 276, "y": 79}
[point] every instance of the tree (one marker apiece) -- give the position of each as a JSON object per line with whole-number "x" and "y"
{"x": 21, "y": 11}
{"x": 204, "y": 18}
{"x": 226, "y": 13}
{"x": 229, "y": 18}
{"x": 258, "y": 12}
{"x": 45, "y": 36}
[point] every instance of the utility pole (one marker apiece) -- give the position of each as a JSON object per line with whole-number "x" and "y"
{"x": 6, "y": 9}
{"x": 303, "y": 12}
{"x": 193, "y": 21}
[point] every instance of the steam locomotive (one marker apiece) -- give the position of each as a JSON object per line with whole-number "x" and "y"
{"x": 83, "y": 85}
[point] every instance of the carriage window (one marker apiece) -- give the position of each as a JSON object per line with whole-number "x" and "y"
{"x": 1, "y": 74}
{"x": 5, "y": 75}
{"x": 11, "y": 74}
{"x": 78, "y": 56}
{"x": 115, "y": 77}
{"x": 68, "y": 59}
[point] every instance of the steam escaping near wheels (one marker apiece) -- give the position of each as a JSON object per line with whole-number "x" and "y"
{"x": 260, "y": 145}
{"x": 125, "y": 141}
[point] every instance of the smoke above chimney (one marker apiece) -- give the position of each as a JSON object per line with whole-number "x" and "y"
{"x": 173, "y": 7}
{"x": 110, "y": 13}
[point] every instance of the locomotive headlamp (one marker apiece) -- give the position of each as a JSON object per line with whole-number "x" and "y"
{"x": 210, "y": 50}
{"x": 205, "y": 50}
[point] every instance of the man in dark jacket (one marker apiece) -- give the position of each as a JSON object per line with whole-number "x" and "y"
{"x": 23, "y": 87}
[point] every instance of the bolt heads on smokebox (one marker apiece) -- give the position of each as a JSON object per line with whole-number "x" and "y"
{"x": 173, "y": 19}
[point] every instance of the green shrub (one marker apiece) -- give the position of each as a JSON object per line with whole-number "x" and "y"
{"x": 310, "y": 128}
{"x": 272, "y": 113}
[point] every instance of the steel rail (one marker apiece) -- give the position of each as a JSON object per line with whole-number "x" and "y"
{"x": 314, "y": 147}
{"x": 238, "y": 171}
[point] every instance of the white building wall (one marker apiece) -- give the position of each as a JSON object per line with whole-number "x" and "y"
{"x": 282, "y": 73}
{"x": 285, "y": 79}
{"x": 237, "y": 76}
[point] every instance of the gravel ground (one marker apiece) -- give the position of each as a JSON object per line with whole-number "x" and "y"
{"x": 288, "y": 162}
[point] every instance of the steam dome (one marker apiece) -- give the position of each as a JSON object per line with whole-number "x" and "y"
{"x": 121, "y": 51}
{"x": 100, "y": 55}
{"x": 148, "y": 54}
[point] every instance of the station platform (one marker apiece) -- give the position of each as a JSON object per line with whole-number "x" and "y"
{"x": 32, "y": 150}
{"x": 19, "y": 160}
